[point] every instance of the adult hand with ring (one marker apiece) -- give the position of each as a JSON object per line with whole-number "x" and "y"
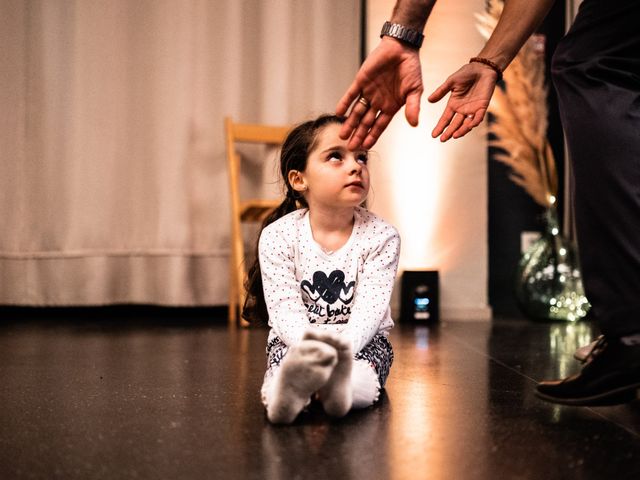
{"x": 363, "y": 101}
{"x": 390, "y": 77}
{"x": 359, "y": 110}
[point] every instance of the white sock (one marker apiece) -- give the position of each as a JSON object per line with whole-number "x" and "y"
{"x": 336, "y": 394}
{"x": 364, "y": 384}
{"x": 304, "y": 370}
{"x": 354, "y": 386}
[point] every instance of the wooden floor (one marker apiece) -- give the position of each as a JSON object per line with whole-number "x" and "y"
{"x": 151, "y": 395}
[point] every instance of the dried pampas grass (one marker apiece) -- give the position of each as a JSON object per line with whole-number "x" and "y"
{"x": 520, "y": 116}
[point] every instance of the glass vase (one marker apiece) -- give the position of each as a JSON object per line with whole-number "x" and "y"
{"x": 549, "y": 285}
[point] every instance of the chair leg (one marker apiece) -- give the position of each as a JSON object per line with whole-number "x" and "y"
{"x": 232, "y": 316}
{"x": 233, "y": 295}
{"x": 241, "y": 297}
{"x": 239, "y": 275}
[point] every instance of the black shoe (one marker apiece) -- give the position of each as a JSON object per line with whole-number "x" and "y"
{"x": 611, "y": 376}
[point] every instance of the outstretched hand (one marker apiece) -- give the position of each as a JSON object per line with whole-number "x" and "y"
{"x": 390, "y": 77}
{"x": 471, "y": 89}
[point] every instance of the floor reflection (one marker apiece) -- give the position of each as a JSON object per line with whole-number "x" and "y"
{"x": 100, "y": 400}
{"x": 530, "y": 432}
{"x": 564, "y": 340}
{"x": 347, "y": 449}
{"x": 432, "y": 398}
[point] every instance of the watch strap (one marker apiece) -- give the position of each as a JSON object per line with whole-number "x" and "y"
{"x": 407, "y": 35}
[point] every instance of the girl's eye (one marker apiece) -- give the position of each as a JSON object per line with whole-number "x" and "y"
{"x": 362, "y": 158}
{"x": 334, "y": 156}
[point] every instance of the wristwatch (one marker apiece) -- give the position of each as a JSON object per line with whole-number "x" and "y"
{"x": 409, "y": 36}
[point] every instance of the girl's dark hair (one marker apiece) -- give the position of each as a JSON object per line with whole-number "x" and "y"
{"x": 293, "y": 156}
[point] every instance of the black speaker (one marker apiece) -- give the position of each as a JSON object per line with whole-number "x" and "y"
{"x": 419, "y": 297}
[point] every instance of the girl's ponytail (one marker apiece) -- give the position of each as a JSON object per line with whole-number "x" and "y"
{"x": 254, "y": 309}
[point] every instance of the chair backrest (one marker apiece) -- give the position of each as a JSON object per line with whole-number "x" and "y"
{"x": 249, "y": 210}
{"x": 254, "y": 133}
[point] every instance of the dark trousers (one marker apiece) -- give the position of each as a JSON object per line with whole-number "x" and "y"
{"x": 596, "y": 71}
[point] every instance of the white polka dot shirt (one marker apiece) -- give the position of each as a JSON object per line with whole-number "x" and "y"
{"x": 346, "y": 291}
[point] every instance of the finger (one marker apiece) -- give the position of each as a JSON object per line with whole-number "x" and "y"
{"x": 466, "y": 127}
{"x": 362, "y": 131}
{"x": 453, "y": 126}
{"x": 440, "y": 92}
{"x": 412, "y": 109}
{"x": 445, "y": 119}
{"x": 348, "y": 98}
{"x": 353, "y": 120}
{"x": 478, "y": 117}
{"x": 346, "y": 129}
{"x": 470, "y": 122}
{"x": 376, "y": 130}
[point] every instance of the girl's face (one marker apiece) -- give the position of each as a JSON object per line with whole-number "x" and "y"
{"x": 334, "y": 177}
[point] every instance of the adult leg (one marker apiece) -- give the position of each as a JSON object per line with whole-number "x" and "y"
{"x": 596, "y": 71}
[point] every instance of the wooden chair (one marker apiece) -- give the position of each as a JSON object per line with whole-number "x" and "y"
{"x": 244, "y": 211}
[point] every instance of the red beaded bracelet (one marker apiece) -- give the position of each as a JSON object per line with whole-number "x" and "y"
{"x": 488, "y": 63}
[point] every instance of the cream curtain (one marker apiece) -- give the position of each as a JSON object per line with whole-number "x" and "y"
{"x": 113, "y": 180}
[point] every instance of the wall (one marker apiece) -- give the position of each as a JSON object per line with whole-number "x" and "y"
{"x": 113, "y": 177}
{"x": 436, "y": 194}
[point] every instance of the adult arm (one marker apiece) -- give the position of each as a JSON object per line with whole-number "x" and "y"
{"x": 390, "y": 77}
{"x": 472, "y": 86}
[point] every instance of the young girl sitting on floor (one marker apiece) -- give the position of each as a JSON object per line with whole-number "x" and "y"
{"x": 323, "y": 280}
